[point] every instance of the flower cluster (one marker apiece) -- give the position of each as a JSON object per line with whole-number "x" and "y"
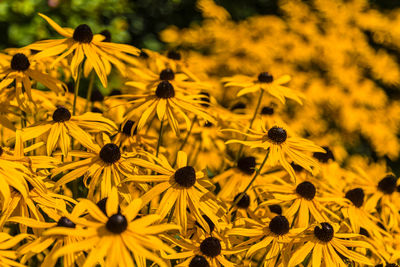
{"x": 188, "y": 163}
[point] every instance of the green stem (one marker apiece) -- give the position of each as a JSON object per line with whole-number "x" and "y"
{"x": 251, "y": 122}
{"x": 185, "y": 140}
{"x": 76, "y": 88}
{"x": 89, "y": 92}
{"x": 258, "y": 171}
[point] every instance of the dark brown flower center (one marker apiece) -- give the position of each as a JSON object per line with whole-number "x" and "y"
{"x": 167, "y": 75}
{"x": 277, "y": 135}
{"x": 20, "y": 62}
{"x": 211, "y": 247}
{"x": 199, "y": 261}
{"x": 306, "y": 190}
{"x": 324, "y": 232}
{"x": 65, "y": 222}
{"x": 265, "y": 77}
{"x": 279, "y": 225}
{"x": 185, "y": 176}
{"x": 247, "y": 165}
{"x": 61, "y": 114}
{"x": 244, "y": 202}
{"x": 117, "y": 223}
{"x": 83, "y": 34}
{"x": 110, "y": 153}
{"x": 165, "y": 90}
{"x": 356, "y": 196}
{"x": 324, "y": 157}
{"x": 388, "y": 184}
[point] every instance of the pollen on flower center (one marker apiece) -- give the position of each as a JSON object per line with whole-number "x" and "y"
{"x": 244, "y": 202}
{"x": 388, "y": 184}
{"x": 185, "y": 176}
{"x": 83, "y": 34}
{"x": 306, "y": 190}
{"x": 199, "y": 261}
{"x": 277, "y": 135}
{"x": 356, "y": 196}
{"x": 20, "y": 62}
{"x": 110, "y": 153}
{"x": 167, "y": 74}
{"x": 324, "y": 233}
{"x": 61, "y": 114}
{"x": 127, "y": 129}
{"x": 265, "y": 77}
{"x": 247, "y": 165}
{"x": 117, "y": 223}
{"x": 279, "y": 225}
{"x": 211, "y": 247}
{"x": 165, "y": 90}
{"x": 65, "y": 222}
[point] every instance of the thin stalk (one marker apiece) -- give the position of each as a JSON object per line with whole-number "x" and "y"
{"x": 258, "y": 171}
{"x": 185, "y": 140}
{"x": 90, "y": 90}
{"x": 251, "y": 122}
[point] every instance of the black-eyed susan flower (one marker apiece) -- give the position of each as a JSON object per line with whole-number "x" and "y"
{"x": 22, "y": 70}
{"x": 62, "y": 126}
{"x": 265, "y": 82}
{"x": 168, "y": 102}
{"x": 283, "y": 149}
{"x": 128, "y": 138}
{"x": 111, "y": 238}
{"x": 183, "y": 188}
{"x": 207, "y": 251}
{"x": 328, "y": 246}
{"x": 103, "y": 167}
{"x": 270, "y": 235}
{"x": 82, "y": 43}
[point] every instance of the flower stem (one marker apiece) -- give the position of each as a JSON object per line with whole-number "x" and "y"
{"x": 251, "y": 122}
{"x": 258, "y": 171}
{"x": 90, "y": 90}
{"x": 76, "y": 88}
{"x": 185, "y": 140}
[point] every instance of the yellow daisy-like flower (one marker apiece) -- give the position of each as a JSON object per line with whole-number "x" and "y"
{"x": 82, "y": 43}
{"x": 282, "y": 148}
{"x": 183, "y": 188}
{"x": 167, "y": 101}
{"x": 207, "y": 251}
{"x": 328, "y": 246}
{"x": 22, "y": 70}
{"x": 103, "y": 166}
{"x": 266, "y": 82}
{"x": 43, "y": 242}
{"x": 62, "y": 126}
{"x": 272, "y": 237}
{"x": 116, "y": 234}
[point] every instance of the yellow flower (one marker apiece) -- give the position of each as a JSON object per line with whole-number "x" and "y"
{"x": 116, "y": 234}
{"x": 22, "y": 69}
{"x": 327, "y": 245}
{"x": 183, "y": 187}
{"x": 266, "y": 82}
{"x": 8, "y": 255}
{"x": 282, "y": 148}
{"x": 83, "y": 43}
